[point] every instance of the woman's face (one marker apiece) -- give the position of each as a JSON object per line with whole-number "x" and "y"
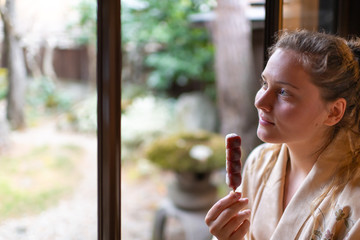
{"x": 289, "y": 105}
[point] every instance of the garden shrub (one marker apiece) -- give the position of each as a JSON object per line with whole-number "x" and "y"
{"x": 200, "y": 151}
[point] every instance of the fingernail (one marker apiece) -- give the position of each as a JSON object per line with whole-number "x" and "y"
{"x": 237, "y": 194}
{"x": 245, "y": 200}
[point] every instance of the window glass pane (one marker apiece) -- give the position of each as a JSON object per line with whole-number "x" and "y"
{"x": 173, "y": 54}
{"x": 315, "y": 15}
{"x": 48, "y": 128}
{"x": 300, "y": 14}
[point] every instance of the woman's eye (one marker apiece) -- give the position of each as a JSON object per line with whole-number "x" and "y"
{"x": 283, "y": 92}
{"x": 263, "y": 84}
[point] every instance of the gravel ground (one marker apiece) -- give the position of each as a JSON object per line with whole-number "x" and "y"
{"x": 144, "y": 190}
{"x": 141, "y": 194}
{"x": 73, "y": 218}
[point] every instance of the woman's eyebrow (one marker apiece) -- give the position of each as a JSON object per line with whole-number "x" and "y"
{"x": 281, "y": 82}
{"x": 287, "y": 83}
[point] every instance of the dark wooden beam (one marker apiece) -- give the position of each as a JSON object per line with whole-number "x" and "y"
{"x": 273, "y": 23}
{"x": 348, "y": 20}
{"x": 109, "y": 117}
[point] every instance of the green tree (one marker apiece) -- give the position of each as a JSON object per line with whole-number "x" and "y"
{"x": 87, "y": 22}
{"x": 176, "y": 52}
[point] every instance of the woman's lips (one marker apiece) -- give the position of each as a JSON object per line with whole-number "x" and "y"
{"x": 263, "y": 121}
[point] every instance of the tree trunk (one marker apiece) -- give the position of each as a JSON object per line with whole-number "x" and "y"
{"x": 235, "y": 73}
{"x": 16, "y": 69}
{"x": 48, "y": 66}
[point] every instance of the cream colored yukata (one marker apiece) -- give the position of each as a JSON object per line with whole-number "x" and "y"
{"x": 332, "y": 221}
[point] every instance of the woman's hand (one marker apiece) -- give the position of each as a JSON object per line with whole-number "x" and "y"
{"x": 227, "y": 220}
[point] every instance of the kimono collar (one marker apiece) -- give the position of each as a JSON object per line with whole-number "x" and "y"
{"x": 299, "y": 208}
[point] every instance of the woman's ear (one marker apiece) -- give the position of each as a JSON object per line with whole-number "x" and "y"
{"x": 336, "y": 111}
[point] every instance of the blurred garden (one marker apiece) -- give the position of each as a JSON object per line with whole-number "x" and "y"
{"x": 165, "y": 58}
{"x": 48, "y": 120}
{"x": 168, "y": 105}
{"x": 185, "y": 85}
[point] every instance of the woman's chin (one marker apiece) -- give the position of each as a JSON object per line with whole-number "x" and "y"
{"x": 266, "y": 136}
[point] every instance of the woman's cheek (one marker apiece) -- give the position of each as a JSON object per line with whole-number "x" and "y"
{"x": 288, "y": 112}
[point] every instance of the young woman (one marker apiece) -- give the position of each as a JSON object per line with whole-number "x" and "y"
{"x": 304, "y": 181}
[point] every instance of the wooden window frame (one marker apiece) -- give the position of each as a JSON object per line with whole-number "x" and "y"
{"x": 109, "y": 119}
{"x": 346, "y": 19}
{"x": 273, "y": 23}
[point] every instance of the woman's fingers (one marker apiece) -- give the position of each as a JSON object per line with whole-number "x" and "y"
{"x": 223, "y": 228}
{"x": 220, "y": 205}
{"x": 238, "y": 225}
{"x": 241, "y": 231}
{"x": 226, "y": 218}
{"x": 230, "y": 212}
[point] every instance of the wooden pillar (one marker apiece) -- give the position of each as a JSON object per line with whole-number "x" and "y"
{"x": 109, "y": 117}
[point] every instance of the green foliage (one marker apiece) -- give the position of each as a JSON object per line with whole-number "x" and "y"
{"x": 190, "y": 152}
{"x": 43, "y": 93}
{"x": 142, "y": 121}
{"x": 85, "y": 26}
{"x": 46, "y": 98}
{"x": 81, "y": 117}
{"x": 3, "y": 83}
{"x": 177, "y": 51}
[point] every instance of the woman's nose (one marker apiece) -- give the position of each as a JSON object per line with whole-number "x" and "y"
{"x": 263, "y": 100}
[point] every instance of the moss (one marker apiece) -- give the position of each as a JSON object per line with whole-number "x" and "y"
{"x": 175, "y": 152}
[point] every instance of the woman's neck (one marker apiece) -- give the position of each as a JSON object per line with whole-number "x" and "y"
{"x": 303, "y": 156}
{"x": 298, "y": 166}
{"x": 301, "y": 162}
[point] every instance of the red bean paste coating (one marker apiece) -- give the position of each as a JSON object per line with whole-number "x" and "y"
{"x": 233, "y": 162}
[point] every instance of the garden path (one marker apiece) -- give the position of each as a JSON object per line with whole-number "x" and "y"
{"x": 143, "y": 189}
{"x": 73, "y": 218}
